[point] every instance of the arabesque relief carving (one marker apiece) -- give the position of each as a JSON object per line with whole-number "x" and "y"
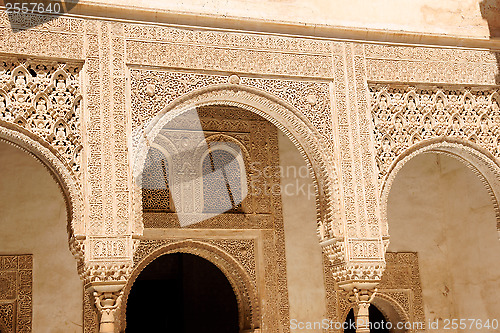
{"x": 45, "y": 99}
{"x": 319, "y": 88}
{"x": 16, "y": 293}
{"x": 405, "y": 115}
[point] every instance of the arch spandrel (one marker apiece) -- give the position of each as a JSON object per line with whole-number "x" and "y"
{"x": 458, "y": 129}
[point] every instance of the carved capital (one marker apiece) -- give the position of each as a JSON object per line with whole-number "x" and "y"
{"x": 106, "y": 272}
{"x": 350, "y": 273}
{"x": 360, "y": 300}
{"x": 107, "y": 298}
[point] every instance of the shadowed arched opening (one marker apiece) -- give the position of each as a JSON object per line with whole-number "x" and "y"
{"x": 378, "y": 322}
{"x": 182, "y": 292}
{"x": 248, "y": 308}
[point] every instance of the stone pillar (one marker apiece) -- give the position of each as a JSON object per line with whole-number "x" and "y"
{"x": 361, "y": 298}
{"x": 107, "y": 297}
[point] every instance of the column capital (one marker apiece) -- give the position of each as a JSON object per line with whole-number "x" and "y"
{"x": 107, "y": 297}
{"x": 360, "y": 300}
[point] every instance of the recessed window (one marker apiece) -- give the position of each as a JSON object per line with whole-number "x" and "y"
{"x": 221, "y": 182}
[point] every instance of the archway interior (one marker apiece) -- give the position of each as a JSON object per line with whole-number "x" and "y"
{"x": 220, "y": 166}
{"x": 182, "y": 293}
{"x": 378, "y": 323}
{"x": 440, "y": 209}
{"x": 36, "y": 265}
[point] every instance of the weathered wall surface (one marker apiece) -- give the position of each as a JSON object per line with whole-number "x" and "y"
{"x": 439, "y": 208}
{"x": 306, "y": 288}
{"x": 33, "y": 220}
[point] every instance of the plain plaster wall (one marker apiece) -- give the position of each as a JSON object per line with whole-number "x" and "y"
{"x": 304, "y": 259}
{"x": 439, "y": 208}
{"x": 33, "y": 221}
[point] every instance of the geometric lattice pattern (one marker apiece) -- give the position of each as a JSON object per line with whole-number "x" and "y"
{"x": 401, "y": 284}
{"x": 221, "y": 182}
{"x": 16, "y": 293}
{"x": 44, "y": 98}
{"x": 406, "y": 115}
{"x": 155, "y": 190}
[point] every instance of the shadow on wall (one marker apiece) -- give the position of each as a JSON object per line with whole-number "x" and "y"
{"x": 490, "y": 11}
{"x": 22, "y": 14}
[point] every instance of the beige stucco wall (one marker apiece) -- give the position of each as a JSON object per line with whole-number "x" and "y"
{"x": 306, "y": 289}
{"x": 440, "y": 209}
{"x": 451, "y": 17}
{"x": 33, "y": 220}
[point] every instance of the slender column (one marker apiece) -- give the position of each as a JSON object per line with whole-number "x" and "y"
{"x": 361, "y": 302}
{"x": 107, "y": 299}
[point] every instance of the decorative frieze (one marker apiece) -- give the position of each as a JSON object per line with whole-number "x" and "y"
{"x": 422, "y": 64}
{"x": 48, "y": 36}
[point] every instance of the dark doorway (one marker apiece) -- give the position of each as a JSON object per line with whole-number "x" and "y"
{"x": 377, "y": 320}
{"x": 182, "y": 293}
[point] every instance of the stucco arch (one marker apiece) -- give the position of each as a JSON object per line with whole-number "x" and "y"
{"x": 245, "y": 291}
{"x": 281, "y": 114}
{"x": 480, "y": 160}
{"x": 392, "y": 310}
{"x": 61, "y": 173}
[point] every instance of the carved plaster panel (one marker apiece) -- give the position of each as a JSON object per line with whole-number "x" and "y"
{"x": 153, "y": 90}
{"x": 430, "y": 65}
{"x": 229, "y": 52}
{"x": 107, "y": 127}
{"x": 44, "y": 98}
{"x": 16, "y": 293}
{"x": 59, "y": 37}
{"x": 405, "y": 115}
